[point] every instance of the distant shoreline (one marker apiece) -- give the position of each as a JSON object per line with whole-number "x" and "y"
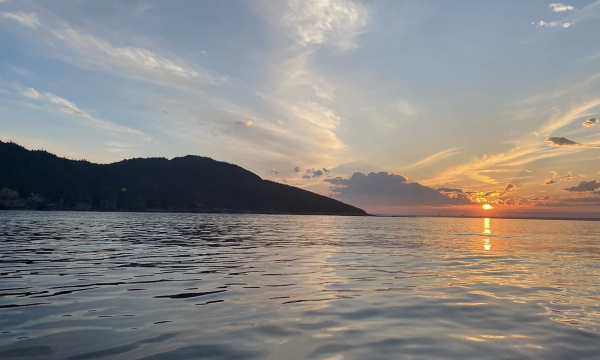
{"x": 491, "y": 217}
{"x": 237, "y": 212}
{"x": 231, "y": 212}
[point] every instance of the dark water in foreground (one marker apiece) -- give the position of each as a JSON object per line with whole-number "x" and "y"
{"x": 172, "y": 286}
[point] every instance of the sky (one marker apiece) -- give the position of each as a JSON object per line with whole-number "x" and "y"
{"x": 399, "y": 107}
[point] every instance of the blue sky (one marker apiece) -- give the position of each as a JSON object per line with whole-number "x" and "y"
{"x": 483, "y": 99}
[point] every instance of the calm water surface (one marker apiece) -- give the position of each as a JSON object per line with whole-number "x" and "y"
{"x": 172, "y": 286}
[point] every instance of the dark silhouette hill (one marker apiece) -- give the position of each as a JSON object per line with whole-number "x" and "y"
{"x": 40, "y": 180}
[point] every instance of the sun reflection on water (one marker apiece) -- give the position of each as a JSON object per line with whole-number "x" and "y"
{"x": 487, "y": 245}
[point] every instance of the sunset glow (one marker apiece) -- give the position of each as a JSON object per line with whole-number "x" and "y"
{"x": 487, "y": 207}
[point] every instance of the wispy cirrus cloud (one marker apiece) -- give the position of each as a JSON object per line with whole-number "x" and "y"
{"x": 129, "y": 61}
{"x": 335, "y": 22}
{"x": 89, "y": 51}
{"x": 26, "y": 19}
{"x": 117, "y": 147}
{"x": 529, "y": 149}
{"x": 569, "y": 117}
{"x": 587, "y": 13}
{"x": 65, "y": 106}
{"x": 301, "y": 98}
{"x": 479, "y": 168}
{"x": 432, "y": 159}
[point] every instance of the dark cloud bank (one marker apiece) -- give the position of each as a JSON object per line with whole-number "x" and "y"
{"x": 561, "y": 141}
{"x": 584, "y": 186}
{"x": 385, "y": 189}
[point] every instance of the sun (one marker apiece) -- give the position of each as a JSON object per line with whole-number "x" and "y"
{"x": 487, "y": 207}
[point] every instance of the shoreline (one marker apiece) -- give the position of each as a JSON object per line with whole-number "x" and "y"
{"x": 241, "y": 212}
{"x": 491, "y": 217}
{"x": 228, "y": 212}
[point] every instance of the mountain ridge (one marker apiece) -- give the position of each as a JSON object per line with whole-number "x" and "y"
{"x": 36, "y": 179}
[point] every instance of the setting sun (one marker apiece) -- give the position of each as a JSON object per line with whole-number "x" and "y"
{"x": 487, "y": 207}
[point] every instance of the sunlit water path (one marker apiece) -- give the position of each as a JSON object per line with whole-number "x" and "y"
{"x": 173, "y": 286}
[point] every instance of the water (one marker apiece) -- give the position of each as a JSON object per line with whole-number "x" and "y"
{"x": 173, "y": 286}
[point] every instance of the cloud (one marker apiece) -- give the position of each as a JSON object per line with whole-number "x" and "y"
{"x": 559, "y": 7}
{"x": 316, "y": 22}
{"x": 529, "y": 150}
{"x": 31, "y": 93}
{"x": 404, "y": 107}
{"x": 590, "y": 122}
{"x": 543, "y": 23}
{"x": 508, "y": 189}
{"x": 450, "y": 190}
{"x": 296, "y": 169}
{"x": 570, "y": 116}
{"x": 26, "y": 19}
{"x": 89, "y": 51}
{"x": 552, "y": 180}
{"x": 587, "y": 13}
{"x": 436, "y": 157}
{"x": 322, "y": 121}
{"x": 561, "y": 141}
{"x": 556, "y": 179}
{"x": 312, "y": 173}
{"x": 478, "y": 168}
{"x": 540, "y": 198}
{"x": 567, "y": 177}
{"x": 245, "y": 123}
{"x": 274, "y": 171}
{"x": 67, "y": 107}
{"x": 387, "y": 189}
{"x": 584, "y": 186}
{"x": 129, "y": 61}
{"x": 582, "y": 200}
{"x": 117, "y": 147}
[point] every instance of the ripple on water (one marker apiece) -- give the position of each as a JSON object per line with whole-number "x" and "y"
{"x": 189, "y": 286}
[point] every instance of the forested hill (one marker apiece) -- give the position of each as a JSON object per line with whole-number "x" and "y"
{"x": 40, "y": 180}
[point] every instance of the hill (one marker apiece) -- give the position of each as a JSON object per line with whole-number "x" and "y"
{"x": 40, "y": 180}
